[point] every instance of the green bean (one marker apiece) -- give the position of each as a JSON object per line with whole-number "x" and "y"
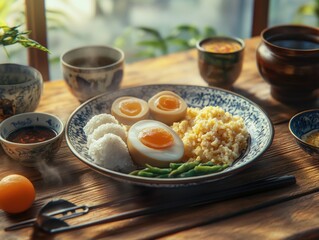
{"x": 209, "y": 163}
{"x": 209, "y": 169}
{"x": 163, "y": 176}
{"x": 175, "y": 165}
{"x": 157, "y": 170}
{"x": 145, "y": 173}
{"x": 189, "y": 173}
{"x": 135, "y": 172}
{"x": 180, "y": 170}
{"x": 183, "y": 168}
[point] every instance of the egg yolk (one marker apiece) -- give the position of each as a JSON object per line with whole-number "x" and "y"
{"x": 130, "y": 107}
{"x": 156, "y": 138}
{"x": 168, "y": 103}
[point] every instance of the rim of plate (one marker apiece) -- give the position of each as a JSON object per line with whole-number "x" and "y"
{"x": 170, "y": 182}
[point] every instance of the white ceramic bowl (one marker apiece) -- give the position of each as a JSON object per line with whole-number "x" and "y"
{"x": 20, "y": 89}
{"x": 31, "y": 154}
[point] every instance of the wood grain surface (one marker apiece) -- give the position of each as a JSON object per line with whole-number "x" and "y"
{"x": 287, "y": 213}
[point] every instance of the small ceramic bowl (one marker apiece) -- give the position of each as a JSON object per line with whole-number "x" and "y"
{"x": 20, "y": 89}
{"x": 31, "y": 154}
{"x": 301, "y": 125}
{"x": 92, "y": 70}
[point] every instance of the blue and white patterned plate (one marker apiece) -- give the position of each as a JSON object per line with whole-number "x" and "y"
{"x": 257, "y": 122}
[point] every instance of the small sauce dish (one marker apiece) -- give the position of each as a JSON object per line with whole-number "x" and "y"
{"x": 31, "y": 137}
{"x": 304, "y": 127}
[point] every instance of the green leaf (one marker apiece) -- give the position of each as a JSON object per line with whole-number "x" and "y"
{"x": 192, "y": 42}
{"x": 209, "y": 32}
{"x": 178, "y": 42}
{"x": 185, "y": 32}
{"x": 155, "y": 44}
{"x": 188, "y": 28}
{"x": 26, "y": 42}
{"x": 11, "y": 35}
{"x": 55, "y": 59}
{"x": 151, "y": 31}
{"x": 308, "y": 10}
{"x": 5, "y": 50}
{"x": 150, "y": 43}
{"x": 145, "y": 54}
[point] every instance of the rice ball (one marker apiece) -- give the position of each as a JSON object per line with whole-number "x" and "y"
{"x": 103, "y": 129}
{"x": 98, "y": 120}
{"x": 111, "y": 152}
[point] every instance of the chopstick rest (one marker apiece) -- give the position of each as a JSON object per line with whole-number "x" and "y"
{"x": 48, "y": 220}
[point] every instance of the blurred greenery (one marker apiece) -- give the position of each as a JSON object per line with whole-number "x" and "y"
{"x": 307, "y": 10}
{"x": 144, "y": 42}
{"x": 12, "y": 8}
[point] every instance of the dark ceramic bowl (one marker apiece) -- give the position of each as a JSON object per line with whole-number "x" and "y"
{"x": 303, "y": 123}
{"x": 288, "y": 59}
{"x": 220, "y": 69}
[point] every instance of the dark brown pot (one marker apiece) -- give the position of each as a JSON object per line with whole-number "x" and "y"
{"x": 288, "y": 59}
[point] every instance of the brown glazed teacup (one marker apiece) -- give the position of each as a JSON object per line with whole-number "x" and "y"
{"x": 92, "y": 70}
{"x": 220, "y": 60}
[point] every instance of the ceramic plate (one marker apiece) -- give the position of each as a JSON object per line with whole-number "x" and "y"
{"x": 258, "y": 124}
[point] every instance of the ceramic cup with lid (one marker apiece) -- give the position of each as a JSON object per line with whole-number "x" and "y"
{"x": 92, "y": 70}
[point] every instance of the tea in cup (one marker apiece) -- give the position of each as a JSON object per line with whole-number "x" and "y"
{"x": 92, "y": 70}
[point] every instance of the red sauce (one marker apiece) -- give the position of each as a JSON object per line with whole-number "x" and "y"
{"x": 33, "y": 134}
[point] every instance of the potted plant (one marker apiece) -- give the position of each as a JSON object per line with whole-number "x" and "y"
{"x": 11, "y": 35}
{"x": 20, "y": 85}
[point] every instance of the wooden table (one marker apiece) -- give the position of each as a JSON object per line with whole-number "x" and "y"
{"x": 285, "y": 213}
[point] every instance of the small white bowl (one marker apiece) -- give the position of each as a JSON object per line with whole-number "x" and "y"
{"x": 30, "y": 154}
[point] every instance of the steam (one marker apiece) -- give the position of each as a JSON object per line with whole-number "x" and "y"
{"x": 50, "y": 174}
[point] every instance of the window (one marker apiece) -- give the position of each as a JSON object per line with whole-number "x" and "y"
{"x": 73, "y": 23}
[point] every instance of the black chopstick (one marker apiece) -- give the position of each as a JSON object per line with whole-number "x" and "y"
{"x": 240, "y": 191}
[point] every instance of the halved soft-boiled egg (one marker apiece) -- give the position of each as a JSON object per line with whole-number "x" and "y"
{"x": 152, "y": 142}
{"x": 167, "y": 107}
{"x": 128, "y": 110}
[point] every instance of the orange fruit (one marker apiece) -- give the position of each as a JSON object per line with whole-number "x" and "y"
{"x": 16, "y": 193}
